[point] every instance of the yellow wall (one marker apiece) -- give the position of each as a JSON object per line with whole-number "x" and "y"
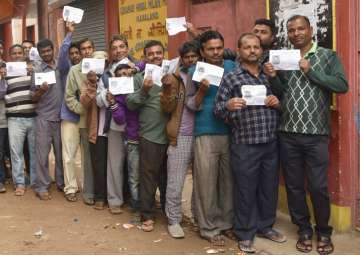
{"x": 340, "y": 217}
{"x": 143, "y": 20}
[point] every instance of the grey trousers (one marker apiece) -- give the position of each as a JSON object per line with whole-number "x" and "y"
{"x": 47, "y": 133}
{"x": 213, "y": 185}
{"x": 115, "y": 168}
{"x": 179, "y": 160}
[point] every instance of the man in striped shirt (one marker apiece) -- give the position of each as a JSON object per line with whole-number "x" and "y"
{"x": 20, "y": 111}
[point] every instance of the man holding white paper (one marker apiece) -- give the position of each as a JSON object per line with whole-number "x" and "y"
{"x": 74, "y": 84}
{"x": 153, "y": 140}
{"x": 20, "y": 111}
{"x": 49, "y": 97}
{"x": 304, "y": 131}
{"x": 254, "y": 150}
{"x": 212, "y": 174}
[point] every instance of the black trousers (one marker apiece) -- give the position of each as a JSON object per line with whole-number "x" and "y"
{"x": 153, "y": 174}
{"x": 256, "y": 174}
{"x": 98, "y": 153}
{"x": 306, "y": 157}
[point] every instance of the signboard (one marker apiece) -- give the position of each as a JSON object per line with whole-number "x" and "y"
{"x": 321, "y": 14}
{"x": 143, "y": 20}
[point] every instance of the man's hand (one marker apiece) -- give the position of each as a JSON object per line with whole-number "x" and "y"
{"x": 272, "y": 101}
{"x": 92, "y": 78}
{"x": 2, "y": 72}
{"x": 191, "y": 29}
{"x": 147, "y": 84}
{"x": 304, "y": 65}
{"x": 269, "y": 70}
{"x": 235, "y": 103}
{"x": 110, "y": 98}
{"x": 204, "y": 85}
{"x": 70, "y": 26}
{"x": 43, "y": 88}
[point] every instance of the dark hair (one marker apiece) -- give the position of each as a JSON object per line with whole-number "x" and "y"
{"x": 189, "y": 47}
{"x": 152, "y": 43}
{"x": 15, "y": 46}
{"x": 118, "y": 38}
{"x": 44, "y": 43}
{"x": 28, "y": 41}
{"x": 209, "y": 35}
{"x": 121, "y": 66}
{"x": 74, "y": 45}
{"x": 84, "y": 40}
{"x": 2, "y": 64}
{"x": 295, "y": 17}
{"x": 242, "y": 36}
{"x": 267, "y": 22}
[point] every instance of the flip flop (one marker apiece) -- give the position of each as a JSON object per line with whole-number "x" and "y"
{"x": 325, "y": 245}
{"x": 304, "y": 244}
{"x": 147, "y": 226}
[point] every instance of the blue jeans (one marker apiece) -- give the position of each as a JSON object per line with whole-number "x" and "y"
{"x": 3, "y": 134}
{"x": 19, "y": 128}
{"x": 133, "y": 174}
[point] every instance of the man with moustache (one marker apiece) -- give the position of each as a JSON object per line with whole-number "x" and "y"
{"x": 304, "y": 131}
{"x": 254, "y": 150}
{"x": 153, "y": 140}
{"x": 74, "y": 84}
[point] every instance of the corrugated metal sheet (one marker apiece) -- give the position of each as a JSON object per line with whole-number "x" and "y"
{"x": 93, "y": 24}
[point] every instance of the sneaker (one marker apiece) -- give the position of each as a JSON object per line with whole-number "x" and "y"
{"x": 115, "y": 209}
{"x": 2, "y": 188}
{"x": 176, "y": 231}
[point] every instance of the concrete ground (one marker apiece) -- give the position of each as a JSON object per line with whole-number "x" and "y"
{"x": 29, "y": 226}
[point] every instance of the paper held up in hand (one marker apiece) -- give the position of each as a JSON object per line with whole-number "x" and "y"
{"x": 175, "y": 25}
{"x": 93, "y": 64}
{"x": 154, "y": 72}
{"x": 14, "y": 69}
{"x": 285, "y": 59}
{"x": 48, "y": 77}
{"x": 121, "y": 85}
{"x": 209, "y": 72}
{"x": 34, "y": 54}
{"x": 72, "y": 14}
{"x": 254, "y": 94}
{"x": 169, "y": 66}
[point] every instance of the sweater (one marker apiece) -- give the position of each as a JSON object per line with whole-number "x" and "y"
{"x": 306, "y": 98}
{"x": 151, "y": 118}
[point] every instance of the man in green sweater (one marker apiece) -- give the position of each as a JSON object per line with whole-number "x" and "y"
{"x": 153, "y": 140}
{"x": 304, "y": 131}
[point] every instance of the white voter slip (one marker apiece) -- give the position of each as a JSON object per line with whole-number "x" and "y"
{"x": 285, "y": 59}
{"x": 254, "y": 94}
{"x": 212, "y": 73}
{"x": 121, "y": 85}
{"x": 16, "y": 69}
{"x": 72, "y": 14}
{"x": 34, "y": 54}
{"x": 48, "y": 77}
{"x": 96, "y": 65}
{"x": 175, "y": 25}
{"x": 155, "y": 72}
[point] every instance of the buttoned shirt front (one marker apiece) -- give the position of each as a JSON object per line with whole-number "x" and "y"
{"x": 251, "y": 124}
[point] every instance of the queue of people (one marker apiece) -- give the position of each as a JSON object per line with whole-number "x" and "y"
{"x": 149, "y": 139}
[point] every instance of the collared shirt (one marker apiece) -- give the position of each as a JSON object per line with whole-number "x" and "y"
{"x": 49, "y": 105}
{"x": 251, "y": 124}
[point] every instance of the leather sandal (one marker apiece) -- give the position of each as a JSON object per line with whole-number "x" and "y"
{"x": 304, "y": 243}
{"x": 324, "y": 245}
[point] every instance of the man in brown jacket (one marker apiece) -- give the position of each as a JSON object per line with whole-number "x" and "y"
{"x": 179, "y": 130}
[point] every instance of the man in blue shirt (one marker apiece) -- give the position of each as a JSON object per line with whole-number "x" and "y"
{"x": 212, "y": 174}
